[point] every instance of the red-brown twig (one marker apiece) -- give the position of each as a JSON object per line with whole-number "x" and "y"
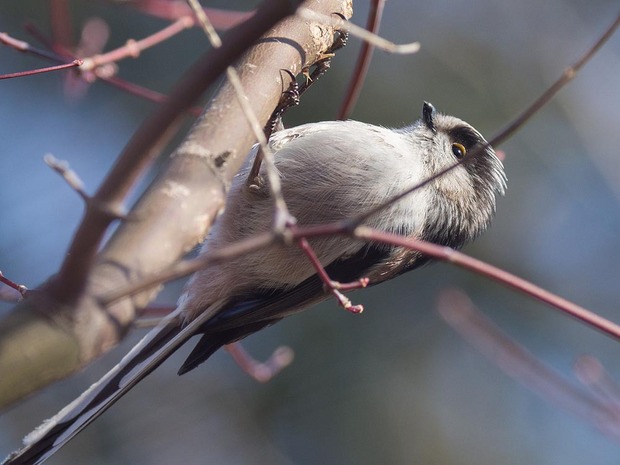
{"x": 334, "y": 287}
{"x": 32, "y": 72}
{"x": 261, "y": 371}
{"x": 363, "y": 61}
{"x": 432, "y": 250}
{"x": 567, "y": 76}
{"x": 187, "y": 267}
{"x": 459, "y": 312}
{"x": 25, "y": 47}
{"x": 122, "y": 84}
{"x": 492, "y": 272}
{"x": 143, "y": 92}
{"x": 175, "y": 9}
{"x": 60, "y": 21}
{"x": 13, "y": 285}
{"x": 133, "y": 48}
{"x": 146, "y": 143}
{"x": 593, "y": 375}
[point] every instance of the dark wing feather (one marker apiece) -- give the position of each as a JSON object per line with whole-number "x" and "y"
{"x": 269, "y": 307}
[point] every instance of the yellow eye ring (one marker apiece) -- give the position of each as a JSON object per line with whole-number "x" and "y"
{"x": 458, "y": 150}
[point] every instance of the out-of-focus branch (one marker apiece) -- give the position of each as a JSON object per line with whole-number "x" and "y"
{"x": 126, "y": 86}
{"x": 171, "y": 217}
{"x": 146, "y": 143}
{"x": 363, "y": 61}
{"x": 60, "y": 20}
{"x": 133, "y": 48}
{"x": 175, "y": 9}
{"x": 518, "y": 363}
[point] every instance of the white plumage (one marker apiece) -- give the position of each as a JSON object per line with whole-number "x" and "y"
{"x": 329, "y": 171}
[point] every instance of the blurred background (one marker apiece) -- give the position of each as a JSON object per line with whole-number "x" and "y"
{"x": 396, "y": 384}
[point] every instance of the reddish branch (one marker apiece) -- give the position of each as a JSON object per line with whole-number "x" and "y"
{"x": 351, "y": 227}
{"x": 93, "y": 67}
{"x": 333, "y": 287}
{"x": 133, "y": 48}
{"x": 363, "y": 61}
{"x": 175, "y": 9}
{"x": 260, "y": 371}
{"x": 13, "y": 285}
{"x": 70, "y": 325}
{"x": 520, "y": 364}
{"x": 32, "y": 72}
{"x": 146, "y": 143}
{"x": 497, "y": 274}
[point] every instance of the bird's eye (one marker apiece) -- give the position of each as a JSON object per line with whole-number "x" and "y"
{"x": 458, "y": 150}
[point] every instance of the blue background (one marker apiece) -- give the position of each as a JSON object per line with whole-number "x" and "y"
{"x": 396, "y": 384}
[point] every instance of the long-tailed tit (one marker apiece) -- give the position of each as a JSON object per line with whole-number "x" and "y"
{"x": 329, "y": 171}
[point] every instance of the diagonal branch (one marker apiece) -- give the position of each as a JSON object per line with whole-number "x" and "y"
{"x": 363, "y": 61}
{"x": 64, "y": 323}
{"x": 459, "y": 259}
{"x": 147, "y": 142}
{"x": 19, "y": 74}
{"x": 459, "y": 312}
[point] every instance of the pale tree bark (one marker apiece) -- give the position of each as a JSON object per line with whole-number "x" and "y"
{"x": 62, "y": 326}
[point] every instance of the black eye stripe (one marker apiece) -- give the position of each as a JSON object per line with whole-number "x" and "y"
{"x": 465, "y": 135}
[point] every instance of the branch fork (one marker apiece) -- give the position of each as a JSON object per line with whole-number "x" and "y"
{"x": 334, "y": 287}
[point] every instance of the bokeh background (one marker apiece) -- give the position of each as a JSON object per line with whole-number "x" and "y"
{"x": 396, "y": 384}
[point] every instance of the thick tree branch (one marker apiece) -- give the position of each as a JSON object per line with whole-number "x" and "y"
{"x": 171, "y": 217}
{"x": 147, "y": 142}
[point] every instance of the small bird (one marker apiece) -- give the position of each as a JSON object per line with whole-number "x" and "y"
{"x": 329, "y": 171}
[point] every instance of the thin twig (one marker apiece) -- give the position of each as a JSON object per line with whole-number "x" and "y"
{"x": 144, "y": 93}
{"x": 567, "y": 76}
{"x": 487, "y": 270}
{"x": 433, "y": 250}
{"x": 261, "y": 371}
{"x": 32, "y": 72}
{"x": 174, "y": 9}
{"x": 147, "y": 141}
{"x": 133, "y": 48}
{"x": 60, "y": 21}
{"x": 125, "y": 86}
{"x": 363, "y": 61}
{"x": 281, "y": 215}
{"x": 70, "y": 176}
{"x": 25, "y": 47}
{"x": 187, "y": 267}
{"x": 360, "y": 32}
{"x": 509, "y": 130}
{"x": 334, "y": 287}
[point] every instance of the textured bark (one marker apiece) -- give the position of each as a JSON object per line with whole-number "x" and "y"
{"x": 62, "y": 326}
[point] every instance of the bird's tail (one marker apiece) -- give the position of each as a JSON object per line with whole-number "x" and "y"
{"x": 143, "y": 358}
